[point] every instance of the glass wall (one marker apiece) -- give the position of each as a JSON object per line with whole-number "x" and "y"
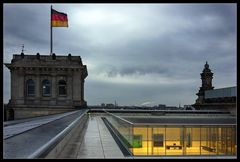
{"x": 185, "y": 140}
{"x": 143, "y": 149}
{"x": 192, "y": 141}
{"x": 165, "y": 140}
{"x": 158, "y": 140}
{"x": 124, "y": 130}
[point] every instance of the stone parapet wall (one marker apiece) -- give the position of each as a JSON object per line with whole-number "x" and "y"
{"x": 22, "y": 113}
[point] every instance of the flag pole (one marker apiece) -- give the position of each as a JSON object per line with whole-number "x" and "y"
{"x": 51, "y": 31}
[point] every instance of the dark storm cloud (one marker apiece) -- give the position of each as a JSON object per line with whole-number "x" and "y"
{"x": 224, "y": 11}
{"x": 167, "y": 55}
{"x": 198, "y": 41}
{"x": 164, "y": 44}
{"x": 30, "y": 25}
{"x": 26, "y": 23}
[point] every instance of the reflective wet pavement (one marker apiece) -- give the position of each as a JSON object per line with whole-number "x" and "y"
{"x": 24, "y": 144}
{"x": 98, "y": 142}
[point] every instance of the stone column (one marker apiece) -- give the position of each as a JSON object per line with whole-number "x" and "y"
{"x": 54, "y": 89}
{"x": 17, "y": 87}
{"x": 69, "y": 87}
{"x": 76, "y": 88}
{"x": 82, "y": 89}
{"x": 21, "y": 85}
{"x": 13, "y": 86}
{"x": 37, "y": 88}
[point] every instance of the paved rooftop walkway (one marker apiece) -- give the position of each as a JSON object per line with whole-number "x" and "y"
{"x": 98, "y": 142}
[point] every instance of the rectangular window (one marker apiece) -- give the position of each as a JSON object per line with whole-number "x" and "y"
{"x": 46, "y": 87}
{"x": 158, "y": 140}
{"x": 62, "y": 90}
{"x": 31, "y": 90}
{"x": 46, "y": 91}
{"x": 30, "y": 87}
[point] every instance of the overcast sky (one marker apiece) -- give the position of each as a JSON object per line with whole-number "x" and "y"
{"x": 136, "y": 54}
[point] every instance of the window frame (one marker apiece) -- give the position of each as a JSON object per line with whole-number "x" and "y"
{"x": 47, "y": 85}
{"x": 32, "y": 84}
{"x": 62, "y": 86}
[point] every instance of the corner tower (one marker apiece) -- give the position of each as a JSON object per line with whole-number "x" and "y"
{"x": 46, "y": 84}
{"x": 206, "y": 77}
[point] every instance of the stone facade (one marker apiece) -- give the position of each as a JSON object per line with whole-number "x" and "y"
{"x": 44, "y": 84}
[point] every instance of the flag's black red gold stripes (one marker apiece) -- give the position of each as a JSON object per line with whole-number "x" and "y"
{"x": 59, "y": 19}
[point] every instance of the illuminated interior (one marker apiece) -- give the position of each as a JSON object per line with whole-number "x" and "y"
{"x": 176, "y": 140}
{"x": 197, "y": 140}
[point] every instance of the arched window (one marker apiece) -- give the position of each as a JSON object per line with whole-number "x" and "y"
{"x": 62, "y": 90}
{"x": 46, "y": 88}
{"x": 30, "y": 88}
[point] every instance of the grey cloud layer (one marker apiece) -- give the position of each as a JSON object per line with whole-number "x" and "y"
{"x": 169, "y": 41}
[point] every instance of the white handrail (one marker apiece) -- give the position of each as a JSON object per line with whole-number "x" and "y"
{"x": 119, "y": 117}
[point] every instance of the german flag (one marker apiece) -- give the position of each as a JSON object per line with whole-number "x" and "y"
{"x": 58, "y": 19}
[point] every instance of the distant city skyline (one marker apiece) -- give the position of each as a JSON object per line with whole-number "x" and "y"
{"x": 136, "y": 54}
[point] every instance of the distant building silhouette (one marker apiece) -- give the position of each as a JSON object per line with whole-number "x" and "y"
{"x": 214, "y": 99}
{"x": 206, "y": 77}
